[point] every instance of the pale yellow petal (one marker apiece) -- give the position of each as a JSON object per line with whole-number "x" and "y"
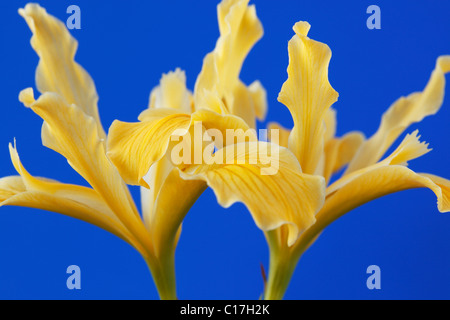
{"x": 74, "y": 201}
{"x": 134, "y": 147}
{"x": 166, "y": 202}
{"x": 364, "y": 185}
{"x": 404, "y": 112}
{"x": 281, "y": 195}
{"x": 151, "y": 114}
{"x": 210, "y": 100}
{"x": 370, "y": 185}
{"x": 410, "y": 148}
{"x": 308, "y": 95}
{"x": 240, "y": 29}
{"x": 155, "y": 179}
{"x": 175, "y": 197}
{"x": 278, "y": 132}
{"x": 340, "y": 151}
{"x": 72, "y": 133}
{"x": 57, "y": 71}
{"x": 172, "y": 93}
{"x": 240, "y": 102}
{"x": 232, "y": 129}
{"x": 380, "y": 182}
{"x": 259, "y": 96}
{"x": 443, "y": 194}
{"x": 330, "y": 124}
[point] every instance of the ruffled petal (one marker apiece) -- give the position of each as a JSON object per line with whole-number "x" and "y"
{"x": 57, "y": 71}
{"x": 364, "y": 185}
{"x": 308, "y": 95}
{"x": 275, "y": 196}
{"x": 172, "y": 93}
{"x": 410, "y": 148}
{"x": 240, "y": 29}
{"x": 404, "y": 112}
{"x": 135, "y": 147}
{"x": 72, "y": 133}
{"x": 377, "y": 183}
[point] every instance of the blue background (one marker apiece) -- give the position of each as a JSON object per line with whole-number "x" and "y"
{"x": 126, "y": 46}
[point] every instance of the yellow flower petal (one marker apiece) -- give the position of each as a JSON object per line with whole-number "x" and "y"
{"x": 134, "y": 147}
{"x": 259, "y": 97}
{"x": 308, "y": 95}
{"x": 340, "y": 151}
{"x": 72, "y": 133}
{"x": 404, "y": 112}
{"x": 233, "y": 129}
{"x": 368, "y": 186}
{"x": 288, "y": 197}
{"x": 442, "y": 190}
{"x": 155, "y": 179}
{"x": 57, "y": 71}
{"x": 162, "y": 215}
{"x": 74, "y": 201}
{"x": 379, "y": 182}
{"x": 240, "y": 29}
{"x": 410, "y": 148}
{"x": 172, "y": 93}
{"x": 362, "y": 186}
{"x": 283, "y": 134}
{"x": 174, "y": 199}
{"x": 330, "y": 124}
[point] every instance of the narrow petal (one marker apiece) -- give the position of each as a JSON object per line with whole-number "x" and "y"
{"x": 340, "y": 151}
{"x": 364, "y": 185}
{"x": 240, "y": 29}
{"x": 308, "y": 95}
{"x": 286, "y": 196}
{"x": 377, "y": 183}
{"x": 259, "y": 97}
{"x": 410, "y": 148}
{"x": 172, "y": 93}
{"x": 72, "y": 133}
{"x": 368, "y": 186}
{"x": 74, "y": 201}
{"x": 404, "y": 112}
{"x": 57, "y": 71}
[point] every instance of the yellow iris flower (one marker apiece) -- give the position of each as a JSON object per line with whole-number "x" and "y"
{"x": 309, "y": 96}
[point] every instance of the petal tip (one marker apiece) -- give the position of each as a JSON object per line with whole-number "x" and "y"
{"x": 302, "y": 28}
{"x": 26, "y": 96}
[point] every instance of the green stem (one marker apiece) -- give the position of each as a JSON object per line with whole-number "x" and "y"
{"x": 284, "y": 260}
{"x": 281, "y": 269}
{"x": 163, "y": 272}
